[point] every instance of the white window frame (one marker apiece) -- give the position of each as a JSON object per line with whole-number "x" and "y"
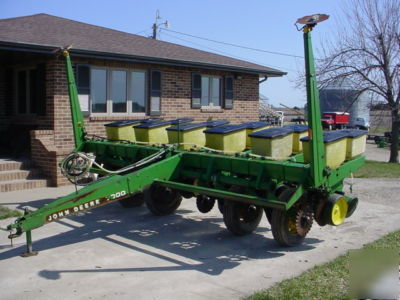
{"x": 28, "y": 91}
{"x": 109, "y": 102}
{"x": 211, "y": 104}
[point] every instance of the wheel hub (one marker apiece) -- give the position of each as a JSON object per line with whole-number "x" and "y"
{"x": 249, "y": 213}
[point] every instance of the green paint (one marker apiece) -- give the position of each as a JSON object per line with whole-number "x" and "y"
{"x": 76, "y": 113}
{"x": 314, "y": 113}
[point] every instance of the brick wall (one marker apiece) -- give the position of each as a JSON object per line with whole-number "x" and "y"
{"x": 51, "y": 145}
{"x": 176, "y": 101}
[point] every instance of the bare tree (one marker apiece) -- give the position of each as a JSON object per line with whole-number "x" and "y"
{"x": 366, "y": 53}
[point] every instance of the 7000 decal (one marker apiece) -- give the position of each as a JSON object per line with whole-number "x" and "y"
{"x": 84, "y": 206}
{"x": 117, "y": 195}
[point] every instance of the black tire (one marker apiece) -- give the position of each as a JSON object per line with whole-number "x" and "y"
{"x": 186, "y": 195}
{"x": 162, "y": 201}
{"x": 268, "y": 210}
{"x": 353, "y": 203}
{"x": 204, "y": 203}
{"x": 135, "y": 200}
{"x": 241, "y": 218}
{"x": 282, "y": 224}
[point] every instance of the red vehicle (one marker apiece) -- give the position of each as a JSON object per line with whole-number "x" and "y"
{"x": 335, "y": 120}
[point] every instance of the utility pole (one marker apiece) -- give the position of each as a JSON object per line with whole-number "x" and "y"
{"x": 157, "y": 25}
{"x": 155, "y": 28}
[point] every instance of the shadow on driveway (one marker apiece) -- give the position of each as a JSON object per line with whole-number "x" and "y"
{"x": 176, "y": 239}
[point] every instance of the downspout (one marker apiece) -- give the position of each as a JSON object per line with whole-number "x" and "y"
{"x": 263, "y": 80}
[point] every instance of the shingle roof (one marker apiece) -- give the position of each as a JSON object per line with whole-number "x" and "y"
{"x": 47, "y": 31}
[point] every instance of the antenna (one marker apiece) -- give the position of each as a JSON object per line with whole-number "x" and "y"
{"x": 156, "y": 25}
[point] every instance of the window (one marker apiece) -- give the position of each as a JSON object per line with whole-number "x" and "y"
{"x": 196, "y": 90}
{"x": 118, "y": 91}
{"x": 30, "y": 90}
{"x": 210, "y": 91}
{"x": 228, "y": 95}
{"x": 98, "y": 88}
{"x": 207, "y": 91}
{"x": 155, "y": 93}
{"x": 114, "y": 91}
{"x": 138, "y": 91}
{"x": 83, "y": 86}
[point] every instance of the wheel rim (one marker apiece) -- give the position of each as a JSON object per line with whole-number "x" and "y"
{"x": 339, "y": 211}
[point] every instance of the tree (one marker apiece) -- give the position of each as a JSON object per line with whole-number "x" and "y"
{"x": 365, "y": 52}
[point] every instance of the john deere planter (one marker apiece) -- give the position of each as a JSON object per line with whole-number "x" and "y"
{"x": 145, "y": 167}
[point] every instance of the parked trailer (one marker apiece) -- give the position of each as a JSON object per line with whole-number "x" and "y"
{"x": 291, "y": 192}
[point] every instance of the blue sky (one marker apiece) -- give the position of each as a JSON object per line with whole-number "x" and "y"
{"x": 261, "y": 24}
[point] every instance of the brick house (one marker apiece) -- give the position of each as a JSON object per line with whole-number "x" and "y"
{"x": 119, "y": 76}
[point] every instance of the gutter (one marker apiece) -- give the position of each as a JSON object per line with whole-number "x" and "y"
{"x": 48, "y": 49}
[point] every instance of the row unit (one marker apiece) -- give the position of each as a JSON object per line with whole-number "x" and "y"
{"x": 275, "y": 142}
{"x": 182, "y": 131}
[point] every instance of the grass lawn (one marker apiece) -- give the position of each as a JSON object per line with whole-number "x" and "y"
{"x": 327, "y": 281}
{"x": 375, "y": 169}
{"x": 8, "y": 213}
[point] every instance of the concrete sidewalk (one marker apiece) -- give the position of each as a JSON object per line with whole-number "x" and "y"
{"x": 112, "y": 252}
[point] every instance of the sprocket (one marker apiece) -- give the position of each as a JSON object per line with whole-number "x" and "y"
{"x": 304, "y": 220}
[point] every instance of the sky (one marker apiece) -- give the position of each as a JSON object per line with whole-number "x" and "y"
{"x": 263, "y": 24}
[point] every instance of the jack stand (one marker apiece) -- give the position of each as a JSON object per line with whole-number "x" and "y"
{"x": 29, "y": 252}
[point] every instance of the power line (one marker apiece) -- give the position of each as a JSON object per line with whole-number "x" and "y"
{"x": 234, "y": 45}
{"x": 226, "y": 53}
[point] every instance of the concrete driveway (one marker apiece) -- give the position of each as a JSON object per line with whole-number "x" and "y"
{"x": 375, "y": 153}
{"x": 112, "y": 252}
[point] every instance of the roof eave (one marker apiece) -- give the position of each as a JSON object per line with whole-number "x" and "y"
{"x": 49, "y": 49}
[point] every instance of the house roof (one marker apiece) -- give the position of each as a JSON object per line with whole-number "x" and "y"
{"x": 43, "y": 32}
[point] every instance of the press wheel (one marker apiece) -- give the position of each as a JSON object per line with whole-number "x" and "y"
{"x": 162, "y": 201}
{"x": 241, "y": 218}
